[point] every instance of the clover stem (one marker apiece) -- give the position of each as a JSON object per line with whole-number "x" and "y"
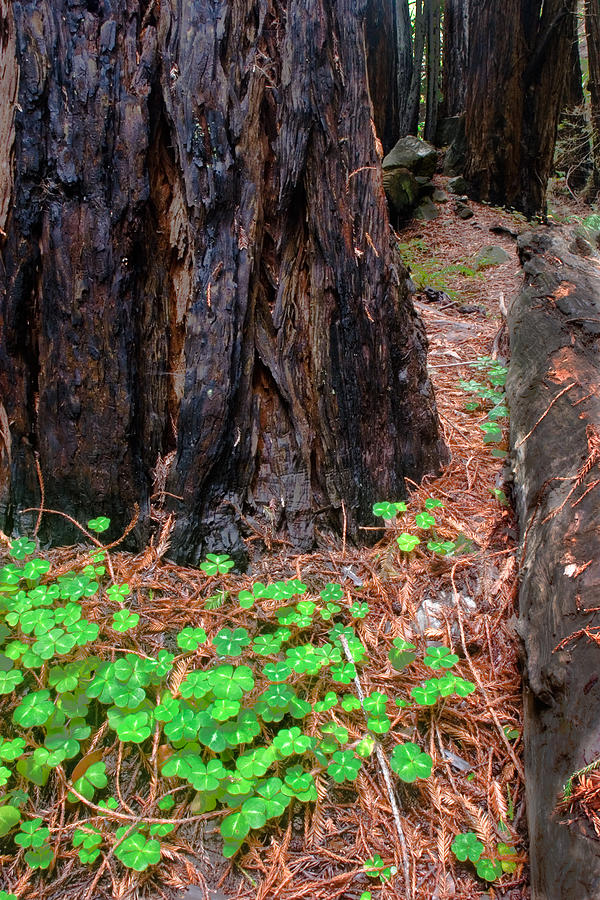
{"x": 385, "y": 771}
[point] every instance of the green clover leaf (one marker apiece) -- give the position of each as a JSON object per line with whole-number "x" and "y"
{"x": 440, "y": 658}
{"x": 444, "y": 548}
{"x": 426, "y": 694}
{"x": 235, "y": 826}
{"x": 9, "y": 680}
{"x": 9, "y": 817}
{"x": 118, "y": 592}
{"x": 89, "y": 840}
{"x": 136, "y": 852}
{"x": 332, "y": 592}
{"x": 489, "y": 869}
{"x": 389, "y": 510}
{"x": 467, "y": 846}
{"x": 350, "y": 702}
{"x": 402, "y": 654}
{"x": 93, "y": 778}
{"x": 135, "y": 727}
{"x": 40, "y": 858}
{"x": 376, "y": 868}
{"x": 410, "y": 763}
{"x": 290, "y": 741}
{"x": 21, "y": 548}
{"x": 359, "y": 610}
{"x": 35, "y": 568}
{"x": 343, "y": 673}
{"x": 344, "y": 766}
{"x": 328, "y": 702}
{"x": 279, "y": 671}
{"x": 217, "y": 564}
{"x": 32, "y": 834}
{"x": 300, "y": 784}
{"x": 452, "y": 684}
{"x": 375, "y": 703}
{"x": 99, "y": 524}
{"x": 11, "y": 750}
{"x": 267, "y": 644}
{"x": 231, "y": 643}
{"x": 191, "y": 638}
{"x": 34, "y": 709}
{"x": 276, "y": 802}
{"x": 407, "y": 542}
{"x": 84, "y": 632}
{"x": 231, "y": 684}
{"x": 424, "y": 520}
{"x": 124, "y": 620}
{"x": 433, "y": 503}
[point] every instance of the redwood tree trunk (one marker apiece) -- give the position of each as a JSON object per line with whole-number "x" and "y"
{"x": 414, "y": 99}
{"x": 197, "y": 257}
{"x": 405, "y": 65}
{"x": 518, "y": 59}
{"x": 382, "y": 60}
{"x": 433, "y": 13}
{"x": 456, "y": 56}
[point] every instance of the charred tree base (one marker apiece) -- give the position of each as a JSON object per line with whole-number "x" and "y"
{"x": 555, "y": 437}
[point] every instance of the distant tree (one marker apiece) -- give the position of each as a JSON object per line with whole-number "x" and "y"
{"x": 414, "y": 97}
{"x": 573, "y": 155}
{"x": 433, "y": 15}
{"x": 592, "y": 30}
{"x": 518, "y": 61}
{"x": 455, "y": 56}
{"x": 405, "y": 66}
{"x": 381, "y": 24}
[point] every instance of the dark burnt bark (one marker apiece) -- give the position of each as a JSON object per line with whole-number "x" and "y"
{"x": 592, "y": 31}
{"x": 198, "y": 258}
{"x": 433, "y": 11}
{"x": 382, "y": 60}
{"x": 455, "y": 57}
{"x": 554, "y": 328}
{"x": 517, "y": 68}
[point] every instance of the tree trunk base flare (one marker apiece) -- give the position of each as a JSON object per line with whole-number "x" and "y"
{"x": 552, "y": 387}
{"x": 198, "y": 261}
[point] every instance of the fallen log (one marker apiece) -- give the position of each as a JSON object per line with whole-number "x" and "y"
{"x": 553, "y": 391}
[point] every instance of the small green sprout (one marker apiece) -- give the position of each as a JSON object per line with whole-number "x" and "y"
{"x": 217, "y": 564}
{"x": 407, "y": 542}
{"x": 99, "y": 524}
{"x": 410, "y": 762}
{"x": 376, "y": 868}
{"x": 440, "y": 658}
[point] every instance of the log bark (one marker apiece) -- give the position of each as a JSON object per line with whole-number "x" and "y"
{"x": 554, "y": 326}
{"x": 518, "y": 60}
{"x": 198, "y": 260}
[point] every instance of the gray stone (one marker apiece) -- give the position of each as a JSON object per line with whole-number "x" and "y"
{"x": 426, "y": 185}
{"x": 463, "y": 211}
{"x": 412, "y": 153}
{"x": 457, "y": 185}
{"x": 426, "y": 210}
{"x": 448, "y": 129}
{"x": 439, "y": 196}
{"x": 456, "y": 154}
{"x": 401, "y": 188}
{"x": 491, "y": 256}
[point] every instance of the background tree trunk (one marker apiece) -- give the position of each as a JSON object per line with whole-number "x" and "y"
{"x": 573, "y": 150}
{"x": 382, "y": 60}
{"x": 456, "y": 56}
{"x": 518, "y": 60}
{"x": 592, "y": 31}
{"x": 198, "y": 259}
{"x": 414, "y": 99}
{"x": 433, "y": 20}
{"x": 405, "y": 65}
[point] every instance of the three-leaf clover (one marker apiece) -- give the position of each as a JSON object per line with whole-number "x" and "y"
{"x": 34, "y": 709}
{"x": 217, "y": 564}
{"x": 344, "y": 766}
{"x": 136, "y": 851}
{"x": 89, "y": 840}
{"x": 99, "y": 524}
{"x": 93, "y": 778}
{"x": 407, "y": 542}
{"x": 440, "y": 658}
{"x": 231, "y": 643}
{"x": 410, "y": 763}
{"x": 402, "y": 654}
{"x": 467, "y": 846}
{"x": 424, "y": 520}
{"x": 191, "y": 638}
{"x": 388, "y": 510}
{"x": 124, "y": 620}
{"x": 489, "y": 869}
{"x": 21, "y": 548}
{"x": 376, "y": 868}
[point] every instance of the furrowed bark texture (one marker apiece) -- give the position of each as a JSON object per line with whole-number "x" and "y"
{"x": 552, "y": 384}
{"x": 198, "y": 259}
{"x": 518, "y": 59}
{"x": 592, "y": 31}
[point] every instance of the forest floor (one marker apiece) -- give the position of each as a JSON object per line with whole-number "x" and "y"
{"x": 466, "y": 601}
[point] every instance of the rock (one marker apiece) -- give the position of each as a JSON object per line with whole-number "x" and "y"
{"x": 426, "y": 210}
{"x": 401, "y": 188}
{"x": 439, "y": 196}
{"x": 462, "y": 210}
{"x": 457, "y": 185}
{"x": 412, "y": 153}
{"x": 491, "y": 256}
{"x": 456, "y": 154}
{"x": 426, "y": 185}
